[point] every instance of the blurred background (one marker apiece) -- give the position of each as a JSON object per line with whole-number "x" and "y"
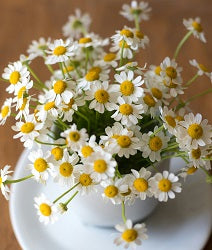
{"x": 25, "y": 20}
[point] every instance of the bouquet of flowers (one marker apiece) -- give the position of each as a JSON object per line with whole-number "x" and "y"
{"x": 105, "y": 119}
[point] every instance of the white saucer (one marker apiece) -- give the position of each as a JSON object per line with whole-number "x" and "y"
{"x": 181, "y": 224}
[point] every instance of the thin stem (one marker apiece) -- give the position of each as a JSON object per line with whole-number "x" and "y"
{"x": 122, "y": 52}
{"x": 157, "y": 131}
{"x": 4, "y": 80}
{"x": 50, "y": 68}
{"x": 191, "y": 80}
{"x": 185, "y": 38}
{"x": 147, "y": 124}
{"x": 61, "y": 68}
{"x": 123, "y": 212}
{"x": 69, "y": 190}
{"x": 71, "y": 198}
{"x": 62, "y": 123}
{"x": 67, "y": 70}
{"x": 176, "y": 155}
{"x": 207, "y": 91}
{"x": 86, "y": 59}
{"x": 47, "y": 143}
{"x": 18, "y": 180}
{"x": 137, "y": 26}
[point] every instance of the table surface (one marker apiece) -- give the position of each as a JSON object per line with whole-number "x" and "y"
{"x": 24, "y": 20}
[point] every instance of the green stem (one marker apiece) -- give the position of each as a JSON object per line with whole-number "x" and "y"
{"x": 123, "y": 212}
{"x": 137, "y": 26}
{"x": 147, "y": 124}
{"x": 207, "y": 91}
{"x": 171, "y": 147}
{"x": 71, "y": 198}
{"x": 97, "y": 119}
{"x": 61, "y": 68}
{"x": 18, "y": 180}
{"x": 69, "y": 190}
{"x": 62, "y": 123}
{"x": 86, "y": 59}
{"x": 176, "y": 155}
{"x": 157, "y": 131}
{"x": 67, "y": 70}
{"x": 36, "y": 77}
{"x": 47, "y": 143}
{"x": 122, "y": 51}
{"x": 185, "y": 38}
{"x": 191, "y": 80}
{"x": 4, "y": 80}
{"x": 50, "y": 68}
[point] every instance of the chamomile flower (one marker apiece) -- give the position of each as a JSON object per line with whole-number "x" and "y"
{"x": 5, "y": 110}
{"x": 127, "y": 113}
{"x": 109, "y": 59}
{"x": 164, "y": 185}
{"x": 196, "y": 27}
{"x": 76, "y": 24}
{"x": 197, "y": 156}
{"x": 21, "y": 91}
{"x": 102, "y": 164}
{"x": 125, "y": 35}
{"x": 63, "y": 170}
{"x": 45, "y": 110}
{"x": 40, "y": 165}
{"x": 133, "y": 66}
{"x": 152, "y": 144}
{"x": 4, "y": 175}
{"x": 27, "y": 131}
{"x": 129, "y": 87}
{"x": 193, "y": 132}
{"x": 15, "y": 73}
{"x": 90, "y": 40}
{"x": 60, "y": 51}
{"x": 188, "y": 170}
{"x": 131, "y": 236}
{"x": 22, "y": 107}
{"x": 202, "y": 70}
{"x": 88, "y": 148}
{"x": 37, "y": 48}
{"x": 140, "y": 10}
{"x": 168, "y": 116}
{"x": 74, "y": 137}
{"x": 122, "y": 48}
{"x": 113, "y": 190}
{"x": 102, "y": 96}
{"x": 46, "y": 210}
{"x": 139, "y": 183}
{"x": 150, "y": 104}
{"x": 140, "y": 40}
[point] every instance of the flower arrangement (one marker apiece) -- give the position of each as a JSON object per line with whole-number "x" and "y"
{"x": 104, "y": 119}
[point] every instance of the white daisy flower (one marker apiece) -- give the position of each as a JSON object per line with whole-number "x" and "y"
{"x": 196, "y": 27}
{"x": 57, "y": 153}
{"x": 40, "y": 165}
{"x": 150, "y": 104}
{"x": 140, "y": 40}
{"x": 109, "y": 59}
{"x": 188, "y": 170}
{"x": 193, "y": 132}
{"x": 127, "y": 50}
{"x": 127, "y": 113}
{"x": 60, "y": 51}
{"x": 23, "y": 108}
{"x": 152, "y": 145}
{"x": 120, "y": 140}
{"x": 90, "y": 40}
{"x": 76, "y": 24}
{"x": 102, "y": 164}
{"x": 129, "y": 87}
{"x": 15, "y": 73}
{"x": 113, "y": 190}
{"x": 62, "y": 91}
{"x": 88, "y": 148}
{"x": 202, "y": 70}
{"x": 131, "y": 236}
{"x": 139, "y": 183}
{"x": 168, "y": 116}
{"x": 45, "y": 110}
{"x": 102, "y": 96}
{"x": 164, "y": 185}
{"x": 125, "y": 35}
{"x": 4, "y": 176}
{"x": 63, "y": 170}
{"x": 74, "y": 137}
{"x": 5, "y": 110}
{"x": 27, "y": 131}
{"x": 46, "y": 211}
{"x": 37, "y": 48}
{"x": 133, "y": 66}
{"x": 140, "y": 10}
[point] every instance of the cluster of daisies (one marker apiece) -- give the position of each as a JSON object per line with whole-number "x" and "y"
{"x": 106, "y": 120}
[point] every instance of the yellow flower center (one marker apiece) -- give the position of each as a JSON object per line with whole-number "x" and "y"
{"x": 96, "y": 69}
{"x": 140, "y": 184}
{"x": 170, "y": 120}
{"x": 85, "y": 40}
{"x": 24, "y": 104}
{"x": 59, "y": 50}
{"x": 68, "y": 69}
{"x": 139, "y": 34}
{"x": 157, "y": 93}
{"x": 126, "y": 109}
{"x": 21, "y": 92}
{"x": 115, "y": 136}
{"x": 196, "y": 153}
{"x": 109, "y": 57}
{"x": 179, "y": 118}
{"x": 66, "y": 169}
{"x": 49, "y": 105}
{"x": 40, "y": 165}
{"x": 27, "y": 127}
{"x": 59, "y": 87}
{"x": 101, "y": 96}
{"x": 195, "y": 131}
{"x": 123, "y": 43}
{"x": 86, "y": 151}
{"x": 157, "y": 70}
{"x": 164, "y": 185}
{"x": 4, "y": 112}
{"x": 74, "y": 136}
{"x": 191, "y": 170}
{"x": 130, "y": 235}
{"x": 111, "y": 191}
{"x": 92, "y": 75}
{"x": 197, "y": 26}
{"x": 155, "y": 143}
{"x": 100, "y": 166}
{"x": 45, "y": 209}
{"x": 171, "y": 85}
{"x": 127, "y": 33}
{"x": 149, "y": 100}
{"x": 69, "y": 105}
{"x": 124, "y": 141}
{"x": 203, "y": 68}
{"x": 14, "y": 77}
{"x": 85, "y": 180}
{"x": 127, "y": 88}
{"x": 57, "y": 153}
{"x": 171, "y": 72}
